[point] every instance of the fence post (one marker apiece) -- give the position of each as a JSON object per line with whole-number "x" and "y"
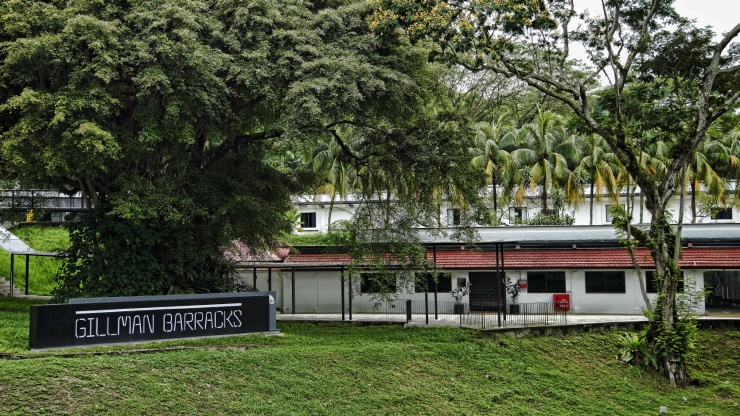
{"x": 408, "y": 310}
{"x": 526, "y": 312}
{"x": 426, "y": 306}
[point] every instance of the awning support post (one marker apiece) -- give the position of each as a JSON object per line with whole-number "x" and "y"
{"x": 292, "y": 288}
{"x": 12, "y": 273}
{"x": 341, "y": 274}
{"x": 26, "y": 274}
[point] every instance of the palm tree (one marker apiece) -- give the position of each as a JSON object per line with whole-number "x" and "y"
{"x": 597, "y": 167}
{"x": 547, "y": 148}
{"x": 710, "y": 156}
{"x": 494, "y": 141}
{"x": 731, "y": 171}
{"x": 289, "y": 161}
{"x": 333, "y": 165}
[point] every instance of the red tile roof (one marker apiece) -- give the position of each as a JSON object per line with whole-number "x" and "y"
{"x": 616, "y": 258}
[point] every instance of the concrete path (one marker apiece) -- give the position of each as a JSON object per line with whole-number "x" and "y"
{"x": 452, "y": 320}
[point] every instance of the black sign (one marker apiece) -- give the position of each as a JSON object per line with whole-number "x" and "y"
{"x": 148, "y": 318}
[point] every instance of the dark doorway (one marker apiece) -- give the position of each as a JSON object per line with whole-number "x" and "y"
{"x": 723, "y": 289}
{"x": 484, "y": 291}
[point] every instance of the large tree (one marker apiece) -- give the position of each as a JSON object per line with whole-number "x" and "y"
{"x": 683, "y": 81}
{"x": 162, "y": 114}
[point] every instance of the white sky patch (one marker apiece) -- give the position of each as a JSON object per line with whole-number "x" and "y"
{"x": 722, "y": 15}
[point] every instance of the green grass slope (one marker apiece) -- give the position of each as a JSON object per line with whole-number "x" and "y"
{"x": 41, "y": 269}
{"x": 341, "y": 369}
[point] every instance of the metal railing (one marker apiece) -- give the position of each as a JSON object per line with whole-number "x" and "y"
{"x": 39, "y": 199}
{"x": 488, "y": 315}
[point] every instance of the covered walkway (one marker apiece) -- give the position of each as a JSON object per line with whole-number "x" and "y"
{"x": 572, "y": 319}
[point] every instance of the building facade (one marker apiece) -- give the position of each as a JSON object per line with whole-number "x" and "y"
{"x": 585, "y": 264}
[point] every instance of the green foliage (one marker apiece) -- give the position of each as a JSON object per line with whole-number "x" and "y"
{"x": 551, "y": 219}
{"x": 109, "y": 256}
{"x": 335, "y": 237}
{"x": 384, "y": 247}
{"x": 460, "y": 291}
{"x": 512, "y": 288}
{"x": 631, "y": 347}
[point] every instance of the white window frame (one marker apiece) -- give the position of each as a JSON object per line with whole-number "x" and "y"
{"x": 519, "y": 213}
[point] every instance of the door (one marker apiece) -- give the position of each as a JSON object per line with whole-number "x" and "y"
{"x": 484, "y": 291}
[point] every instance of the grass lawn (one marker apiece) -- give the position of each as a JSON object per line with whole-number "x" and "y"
{"x": 41, "y": 269}
{"x": 337, "y": 368}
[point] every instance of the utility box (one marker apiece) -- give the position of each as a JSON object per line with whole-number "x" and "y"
{"x": 561, "y": 301}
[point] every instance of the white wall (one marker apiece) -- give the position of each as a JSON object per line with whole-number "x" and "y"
{"x": 630, "y": 302}
{"x": 320, "y": 292}
{"x": 343, "y": 211}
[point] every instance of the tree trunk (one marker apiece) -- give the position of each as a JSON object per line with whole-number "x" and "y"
{"x": 662, "y": 339}
{"x": 544, "y": 189}
{"x": 591, "y": 208}
{"x": 495, "y": 196}
{"x": 679, "y": 226}
{"x": 636, "y": 264}
{"x": 331, "y": 208}
{"x": 693, "y": 201}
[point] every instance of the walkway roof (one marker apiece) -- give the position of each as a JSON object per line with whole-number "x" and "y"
{"x": 14, "y": 245}
{"x": 530, "y": 259}
{"x": 707, "y": 246}
{"x": 717, "y": 233}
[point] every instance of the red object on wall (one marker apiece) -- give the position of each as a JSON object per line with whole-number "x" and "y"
{"x": 562, "y": 301}
{"x": 522, "y": 283}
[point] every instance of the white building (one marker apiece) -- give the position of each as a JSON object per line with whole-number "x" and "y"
{"x": 316, "y": 210}
{"x": 583, "y": 264}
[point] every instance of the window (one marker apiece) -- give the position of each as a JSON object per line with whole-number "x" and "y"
{"x": 546, "y": 282}
{"x": 377, "y": 283}
{"x": 453, "y": 217}
{"x": 609, "y": 216}
{"x": 443, "y": 284}
{"x": 605, "y": 282}
{"x": 650, "y": 286}
{"x": 308, "y": 219}
{"x": 722, "y": 214}
{"x": 517, "y": 215}
{"x": 724, "y": 288}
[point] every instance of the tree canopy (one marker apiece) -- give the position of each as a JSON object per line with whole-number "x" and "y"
{"x": 668, "y": 81}
{"x": 162, "y": 114}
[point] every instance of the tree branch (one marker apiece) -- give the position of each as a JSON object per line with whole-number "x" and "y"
{"x": 704, "y": 119}
{"x": 229, "y": 144}
{"x": 729, "y": 70}
{"x": 355, "y": 123}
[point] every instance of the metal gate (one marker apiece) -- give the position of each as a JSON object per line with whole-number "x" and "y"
{"x": 486, "y": 291}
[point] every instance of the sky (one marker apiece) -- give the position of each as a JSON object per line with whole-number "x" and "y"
{"x": 723, "y": 15}
{"x": 720, "y": 14}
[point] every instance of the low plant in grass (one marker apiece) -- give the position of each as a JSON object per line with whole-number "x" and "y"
{"x": 41, "y": 269}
